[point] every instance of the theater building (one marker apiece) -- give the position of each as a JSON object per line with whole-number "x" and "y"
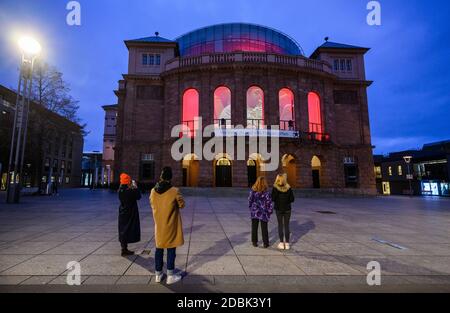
{"x": 251, "y": 75}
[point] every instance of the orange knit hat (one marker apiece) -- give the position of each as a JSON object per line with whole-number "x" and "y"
{"x": 125, "y": 179}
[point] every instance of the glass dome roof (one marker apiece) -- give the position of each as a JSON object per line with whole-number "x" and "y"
{"x": 234, "y": 37}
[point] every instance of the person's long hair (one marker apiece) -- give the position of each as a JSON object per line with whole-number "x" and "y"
{"x": 260, "y": 185}
{"x": 281, "y": 183}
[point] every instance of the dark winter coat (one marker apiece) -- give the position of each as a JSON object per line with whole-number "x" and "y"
{"x": 282, "y": 199}
{"x": 129, "y": 224}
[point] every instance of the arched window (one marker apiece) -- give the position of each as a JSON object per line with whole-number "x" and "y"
{"x": 314, "y": 113}
{"x": 222, "y": 107}
{"x": 255, "y": 107}
{"x": 190, "y": 110}
{"x": 286, "y": 106}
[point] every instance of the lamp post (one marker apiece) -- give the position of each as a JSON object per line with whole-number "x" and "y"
{"x": 30, "y": 49}
{"x": 408, "y": 161}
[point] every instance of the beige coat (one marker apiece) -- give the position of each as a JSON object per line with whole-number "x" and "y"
{"x": 166, "y": 214}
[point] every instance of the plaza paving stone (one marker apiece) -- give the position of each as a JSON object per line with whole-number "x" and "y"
{"x": 329, "y": 252}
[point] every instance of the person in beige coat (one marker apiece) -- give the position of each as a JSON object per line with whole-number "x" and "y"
{"x": 166, "y": 202}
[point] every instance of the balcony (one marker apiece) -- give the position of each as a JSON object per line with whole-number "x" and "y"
{"x": 249, "y": 57}
{"x": 287, "y": 125}
{"x": 316, "y": 133}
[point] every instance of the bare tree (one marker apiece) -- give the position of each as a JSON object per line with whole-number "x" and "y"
{"x": 52, "y": 92}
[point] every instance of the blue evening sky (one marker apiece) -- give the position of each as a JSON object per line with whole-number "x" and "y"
{"x": 409, "y": 101}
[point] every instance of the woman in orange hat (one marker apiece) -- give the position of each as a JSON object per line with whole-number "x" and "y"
{"x": 129, "y": 224}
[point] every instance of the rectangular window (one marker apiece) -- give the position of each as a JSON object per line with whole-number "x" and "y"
{"x": 400, "y": 170}
{"x": 158, "y": 59}
{"x": 378, "y": 172}
{"x": 144, "y": 59}
{"x": 390, "y": 170}
{"x": 336, "y": 65}
{"x": 349, "y": 65}
{"x": 342, "y": 65}
{"x": 69, "y": 167}
{"x": 47, "y": 164}
{"x": 151, "y": 59}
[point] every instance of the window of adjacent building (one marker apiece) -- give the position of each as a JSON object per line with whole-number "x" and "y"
{"x": 286, "y": 107}
{"x": 390, "y": 170}
{"x": 69, "y": 167}
{"x": 314, "y": 113}
{"x": 67, "y": 180}
{"x": 222, "y": 107}
{"x": 400, "y": 170}
{"x": 47, "y": 164}
{"x": 255, "y": 107}
{"x": 378, "y": 172}
{"x": 144, "y": 59}
{"x": 190, "y": 111}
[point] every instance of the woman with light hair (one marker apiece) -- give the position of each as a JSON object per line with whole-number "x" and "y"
{"x": 260, "y": 206}
{"x": 283, "y": 196}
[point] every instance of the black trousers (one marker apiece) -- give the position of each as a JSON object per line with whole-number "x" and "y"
{"x": 264, "y": 231}
{"x": 283, "y": 225}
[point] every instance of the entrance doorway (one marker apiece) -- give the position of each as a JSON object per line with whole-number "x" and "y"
{"x": 316, "y": 166}
{"x": 251, "y": 172}
{"x": 191, "y": 168}
{"x": 386, "y": 188}
{"x": 223, "y": 172}
{"x": 290, "y": 168}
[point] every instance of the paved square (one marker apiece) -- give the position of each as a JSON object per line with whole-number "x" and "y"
{"x": 330, "y": 252}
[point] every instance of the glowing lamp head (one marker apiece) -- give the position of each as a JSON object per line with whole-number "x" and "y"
{"x": 29, "y": 46}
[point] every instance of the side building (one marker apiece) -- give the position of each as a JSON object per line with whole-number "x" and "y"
{"x": 54, "y": 145}
{"x": 109, "y": 143}
{"x": 427, "y": 173}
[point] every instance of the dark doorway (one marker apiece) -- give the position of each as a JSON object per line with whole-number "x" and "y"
{"x": 351, "y": 175}
{"x": 251, "y": 173}
{"x": 316, "y": 178}
{"x": 184, "y": 177}
{"x": 223, "y": 173}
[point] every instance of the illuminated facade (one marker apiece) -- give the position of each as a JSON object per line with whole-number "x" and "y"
{"x": 258, "y": 77}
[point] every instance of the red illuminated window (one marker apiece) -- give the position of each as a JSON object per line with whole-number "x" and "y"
{"x": 314, "y": 113}
{"x": 255, "y": 107}
{"x": 190, "y": 110}
{"x": 286, "y": 106}
{"x": 222, "y": 107}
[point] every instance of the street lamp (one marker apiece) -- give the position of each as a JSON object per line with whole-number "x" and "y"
{"x": 30, "y": 49}
{"x": 408, "y": 159}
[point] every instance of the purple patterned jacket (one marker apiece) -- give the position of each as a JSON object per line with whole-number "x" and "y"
{"x": 260, "y": 205}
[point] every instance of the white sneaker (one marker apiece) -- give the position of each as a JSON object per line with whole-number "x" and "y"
{"x": 287, "y": 246}
{"x": 159, "y": 277}
{"x": 281, "y": 246}
{"x": 172, "y": 279}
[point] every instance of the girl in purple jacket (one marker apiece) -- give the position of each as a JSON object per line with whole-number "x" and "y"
{"x": 260, "y": 205}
